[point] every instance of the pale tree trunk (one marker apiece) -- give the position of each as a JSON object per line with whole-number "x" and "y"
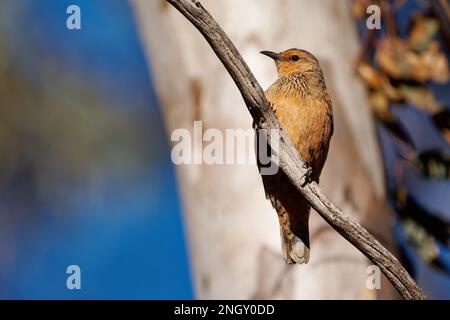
{"x": 232, "y": 229}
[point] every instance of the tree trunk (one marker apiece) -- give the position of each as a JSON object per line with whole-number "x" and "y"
{"x": 233, "y": 235}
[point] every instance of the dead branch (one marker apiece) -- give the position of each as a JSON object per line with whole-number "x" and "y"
{"x": 289, "y": 159}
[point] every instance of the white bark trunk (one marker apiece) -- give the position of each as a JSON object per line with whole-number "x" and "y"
{"x": 232, "y": 229}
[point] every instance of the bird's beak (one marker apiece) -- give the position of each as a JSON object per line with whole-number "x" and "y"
{"x": 275, "y": 56}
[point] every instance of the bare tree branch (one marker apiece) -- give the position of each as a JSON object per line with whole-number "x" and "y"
{"x": 289, "y": 159}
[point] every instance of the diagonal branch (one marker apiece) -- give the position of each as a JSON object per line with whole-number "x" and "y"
{"x": 289, "y": 159}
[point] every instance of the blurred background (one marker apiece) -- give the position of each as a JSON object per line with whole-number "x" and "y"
{"x": 405, "y": 69}
{"x": 85, "y": 170}
{"x": 86, "y": 176}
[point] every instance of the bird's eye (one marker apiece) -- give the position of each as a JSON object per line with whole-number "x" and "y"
{"x": 295, "y": 58}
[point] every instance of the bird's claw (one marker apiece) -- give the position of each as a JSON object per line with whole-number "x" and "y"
{"x": 307, "y": 176}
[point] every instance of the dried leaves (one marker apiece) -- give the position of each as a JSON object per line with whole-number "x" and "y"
{"x": 422, "y": 33}
{"x": 403, "y": 66}
{"x": 383, "y": 92}
{"x": 401, "y": 62}
{"x": 421, "y": 240}
{"x": 398, "y": 70}
{"x": 421, "y": 97}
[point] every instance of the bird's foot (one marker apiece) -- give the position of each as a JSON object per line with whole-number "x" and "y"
{"x": 307, "y": 176}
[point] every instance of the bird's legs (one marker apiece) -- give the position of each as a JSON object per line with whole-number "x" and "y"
{"x": 307, "y": 176}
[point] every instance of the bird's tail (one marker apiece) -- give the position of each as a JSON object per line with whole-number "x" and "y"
{"x": 295, "y": 235}
{"x": 294, "y": 250}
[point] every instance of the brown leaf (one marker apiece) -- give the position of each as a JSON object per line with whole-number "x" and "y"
{"x": 401, "y": 63}
{"x": 380, "y": 105}
{"x": 421, "y": 240}
{"x": 370, "y": 76}
{"x": 377, "y": 80}
{"x": 437, "y": 63}
{"x": 423, "y": 31}
{"x": 391, "y": 57}
{"x": 415, "y": 68}
{"x": 420, "y": 97}
{"x": 391, "y": 92}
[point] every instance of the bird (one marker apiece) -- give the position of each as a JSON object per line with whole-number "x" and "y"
{"x": 302, "y": 105}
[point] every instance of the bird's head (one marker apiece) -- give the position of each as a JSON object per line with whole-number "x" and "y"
{"x": 294, "y": 61}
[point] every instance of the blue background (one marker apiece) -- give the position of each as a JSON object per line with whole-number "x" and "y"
{"x": 123, "y": 230}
